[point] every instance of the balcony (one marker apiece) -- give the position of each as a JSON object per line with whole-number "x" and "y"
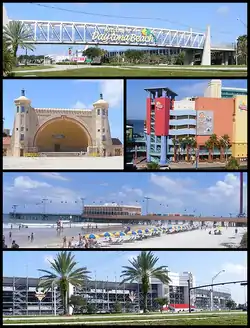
{"x": 179, "y": 132}
{"x": 187, "y": 121}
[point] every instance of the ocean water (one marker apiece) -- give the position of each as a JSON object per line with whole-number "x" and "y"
{"x": 138, "y": 125}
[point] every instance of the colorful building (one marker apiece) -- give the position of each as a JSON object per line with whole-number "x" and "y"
{"x": 177, "y": 130}
{"x": 53, "y": 131}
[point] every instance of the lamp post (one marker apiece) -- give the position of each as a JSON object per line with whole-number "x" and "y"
{"x": 226, "y": 145}
{"x": 212, "y": 299}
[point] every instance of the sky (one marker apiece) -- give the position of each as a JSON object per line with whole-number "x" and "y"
{"x": 136, "y": 95}
{"x": 222, "y": 17}
{"x": 80, "y": 94}
{"x": 205, "y": 193}
{"x": 203, "y": 265}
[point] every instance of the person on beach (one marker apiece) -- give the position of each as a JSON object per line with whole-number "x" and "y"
{"x": 19, "y": 227}
{"x": 32, "y": 237}
{"x": 96, "y": 226}
{"x": 236, "y": 231}
{"x": 10, "y": 234}
{"x": 28, "y": 237}
{"x": 69, "y": 244}
{"x": 64, "y": 242}
{"x": 14, "y": 244}
{"x": 11, "y": 227}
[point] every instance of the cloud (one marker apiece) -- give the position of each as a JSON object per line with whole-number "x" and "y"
{"x": 193, "y": 89}
{"x": 223, "y": 10}
{"x": 136, "y": 191}
{"x": 172, "y": 186}
{"x": 26, "y": 182}
{"x": 81, "y": 105}
{"x": 29, "y": 193}
{"x": 225, "y": 191}
{"x": 235, "y": 269}
{"x": 54, "y": 175}
{"x": 112, "y": 91}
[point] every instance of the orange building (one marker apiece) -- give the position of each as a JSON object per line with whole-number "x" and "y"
{"x": 223, "y": 111}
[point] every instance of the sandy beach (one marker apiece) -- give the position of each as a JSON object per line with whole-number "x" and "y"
{"x": 50, "y": 238}
{"x": 190, "y": 239}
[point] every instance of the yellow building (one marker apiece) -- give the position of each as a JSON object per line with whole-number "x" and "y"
{"x": 239, "y": 142}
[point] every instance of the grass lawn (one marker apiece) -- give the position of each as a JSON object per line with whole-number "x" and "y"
{"x": 139, "y": 72}
{"x": 193, "y": 319}
{"x": 30, "y": 68}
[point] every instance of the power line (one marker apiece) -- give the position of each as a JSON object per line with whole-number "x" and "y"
{"x": 123, "y": 17}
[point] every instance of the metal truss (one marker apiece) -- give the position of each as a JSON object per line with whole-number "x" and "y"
{"x": 50, "y": 32}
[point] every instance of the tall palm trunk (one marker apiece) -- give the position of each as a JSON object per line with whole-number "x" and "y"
{"x": 210, "y": 155}
{"x": 222, "y": 154}
{"x": 145, "y": 302}
{"x": 174, "y": 153}
{"x": 65, "y": 302}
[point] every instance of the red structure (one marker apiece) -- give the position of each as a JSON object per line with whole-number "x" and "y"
{"x": 162, "y": 115}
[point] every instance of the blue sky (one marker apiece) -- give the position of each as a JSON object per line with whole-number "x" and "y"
{"x": 207, "y": 193}
{"x": 203, "y": 264}
{"x": 222, "y": 17}
{"x": 136, "y": 95}
{"x": 80, "y": 94}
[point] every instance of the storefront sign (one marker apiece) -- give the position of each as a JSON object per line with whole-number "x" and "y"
{"x": 242, "y": 105}
{"x": 158, "y": 105}
{"x": 111, "y": 34}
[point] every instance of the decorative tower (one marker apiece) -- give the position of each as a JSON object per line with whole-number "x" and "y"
{"x": 102, "y": 129}
{"x": 21, "y": 125}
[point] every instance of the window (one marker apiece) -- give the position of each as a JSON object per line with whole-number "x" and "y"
{"x": 22, "y": 137}
{"x": 98, "y": 130}
{"x": 103, "y": 112}
{"x": 16, "y": 129}
{"x": 103, "y": 138}
{"x": 22, "y": 109}
{"x": 103, "y": 130}
{"x": 22, "y": 128}
{"x": 26, "y": 129}
{"x": 98, "y": 111}
{"x": 17, "y": 109}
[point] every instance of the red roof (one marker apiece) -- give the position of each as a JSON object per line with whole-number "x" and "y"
{"x": 6, "y": 141}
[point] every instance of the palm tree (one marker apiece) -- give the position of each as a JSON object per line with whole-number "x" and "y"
{"x": 223, "y": 142}
{"x": 62, "y": 275}
{"x": 142, "y": 269}
{"x": 190, "y": 143}
{"x": 175, "y": 143}
{"x": 8, "y": 59}
{"x": 214, "y": 142}
{"x": 16, "y": 35}
{"x": 209, "y": 146}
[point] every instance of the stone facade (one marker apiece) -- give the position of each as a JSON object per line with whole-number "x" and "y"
{"x": 50, "y": 131}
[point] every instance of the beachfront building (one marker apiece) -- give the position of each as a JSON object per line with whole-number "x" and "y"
{"x": 179, "y": 129}
{"x": 135, "y": 145}
{"x": 215, "y": 89}
{"x": 19, "y": 295}
{"x": 61, "y": 132}
{"x": 111, "y": 209}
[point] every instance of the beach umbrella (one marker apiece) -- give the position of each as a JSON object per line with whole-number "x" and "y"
{"x": 164, "y": 228}
{"x": 92, "y": 236}
{"x": 108, "y": 234}
{"x": 147, "y": 230}
{"x": 140, "y": 231}
{"x": 132, "y": 232}
{"x": 120, "y": 234}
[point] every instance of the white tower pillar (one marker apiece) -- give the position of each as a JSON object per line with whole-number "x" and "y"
{"x": 5, "y": 17}
{"x": 206, "y": 55}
